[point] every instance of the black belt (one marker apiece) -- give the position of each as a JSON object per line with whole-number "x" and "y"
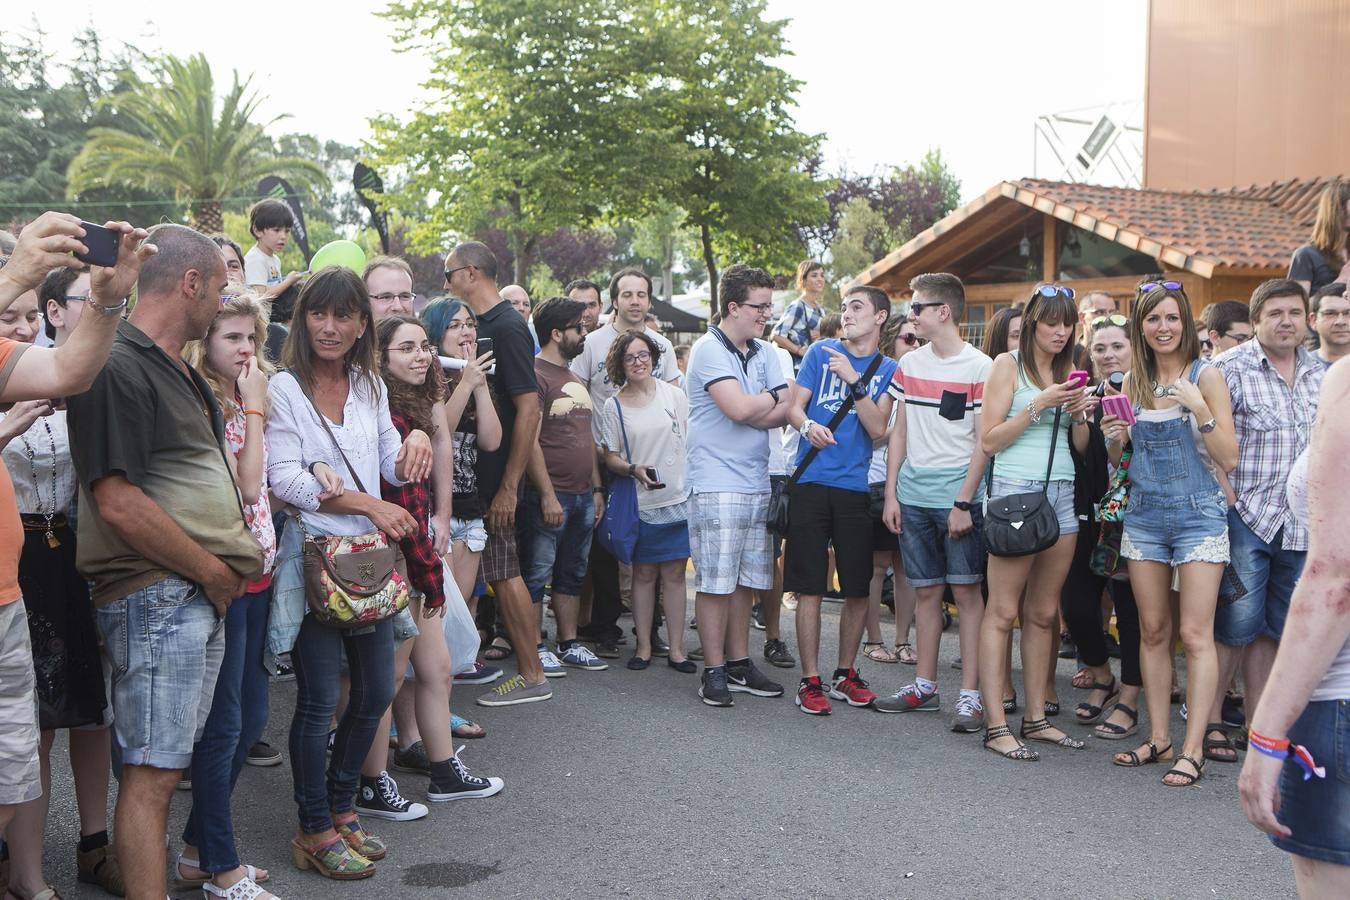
{"x": 39, "y": 523}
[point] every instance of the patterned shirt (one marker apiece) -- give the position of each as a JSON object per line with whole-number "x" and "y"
{"x": 1274, "y": 423}
{"x": 798, "y": 321}
{"x": 425, "y": 571}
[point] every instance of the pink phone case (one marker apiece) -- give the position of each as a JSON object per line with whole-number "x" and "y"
{"x": 1079, "y": 376}
{"x": 1119, "y": 405}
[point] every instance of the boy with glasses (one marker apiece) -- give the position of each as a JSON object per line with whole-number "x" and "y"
{"x": 1226, "y": 325}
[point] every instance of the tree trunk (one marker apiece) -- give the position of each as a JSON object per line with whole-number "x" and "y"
{"x": 207, "y": 216}
{"x": 705, "y": 237}
{"x": 668, "y": 268}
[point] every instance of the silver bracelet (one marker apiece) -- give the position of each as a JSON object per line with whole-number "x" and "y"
{"x": 1035, "y": 413}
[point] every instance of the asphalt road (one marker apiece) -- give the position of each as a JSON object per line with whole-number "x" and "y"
{"x": 626, "y": 785}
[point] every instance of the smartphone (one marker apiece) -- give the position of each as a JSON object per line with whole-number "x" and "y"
{"x": 484, "y": 346}
{"x": 656, "y": 481}
{"x": 102, "y": 244}
{"x": 1078, "y": 377}
{"x": 1119, "y": 405}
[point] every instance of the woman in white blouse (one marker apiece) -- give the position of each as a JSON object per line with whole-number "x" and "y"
{"x": 330, "y": 357}
{"x": 653, "y": 416}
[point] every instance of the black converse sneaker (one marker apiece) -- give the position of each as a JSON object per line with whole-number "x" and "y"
{"x": 379, "y": 797}
{"x": 462, "y": 785}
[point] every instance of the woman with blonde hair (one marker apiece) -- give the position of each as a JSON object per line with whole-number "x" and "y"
{"x": 1316, "y": 263}
{"x": 1177, "y": 517}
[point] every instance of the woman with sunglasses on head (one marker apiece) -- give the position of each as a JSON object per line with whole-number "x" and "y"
{"x": 899, "y": 337}
{"x": 1109, "y": 347}
{"x": 329, "y": 405}
{"x": 1028, "y": 392}
{"x": 1177, "y": 513}
{"x": 407, "y": 357}
{"x": 645, "y": 428}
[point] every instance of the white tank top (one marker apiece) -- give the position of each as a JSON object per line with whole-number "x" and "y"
{"x": 1335, "y": 684}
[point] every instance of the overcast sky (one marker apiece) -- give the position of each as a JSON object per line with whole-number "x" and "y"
{"x": 883, "y": 80}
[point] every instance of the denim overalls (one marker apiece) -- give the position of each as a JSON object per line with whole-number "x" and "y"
{"x": 1177, "y": 511}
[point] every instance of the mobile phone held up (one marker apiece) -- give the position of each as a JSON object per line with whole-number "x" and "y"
{"x": 484, "y": 346}
{"x": 1119, "y": 405}
{"x": 1078, "y": 378}
{"x": 102, "y": 245}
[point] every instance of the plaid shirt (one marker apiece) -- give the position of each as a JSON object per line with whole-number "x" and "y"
{"x": 797, "y": 323}
{"x": 425, "y": 570}
{"x": 1274, "y": 423}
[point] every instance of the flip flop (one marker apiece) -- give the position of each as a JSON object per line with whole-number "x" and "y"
{"x": 462, "y": 728}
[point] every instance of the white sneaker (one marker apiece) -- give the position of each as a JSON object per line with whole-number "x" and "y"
{"x": 551, "y": 665}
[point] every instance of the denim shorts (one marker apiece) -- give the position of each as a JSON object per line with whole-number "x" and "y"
{"x": 164, "y": 645}
{"x": 931, "y": 556}
{"x": 1060, "y": 494}
{"x": 1179, "y": 531}
{"x": 1268, "y": 574}
{"x": 472, "y": 533}
{"x": 555, "y": 556}
{"x": 1317, "y": 811}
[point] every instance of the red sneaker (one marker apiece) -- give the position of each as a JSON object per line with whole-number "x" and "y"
{"x": 811, "y": 697}
{"x": 852, "y": 689}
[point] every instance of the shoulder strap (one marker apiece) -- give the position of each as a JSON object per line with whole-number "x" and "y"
{"x": 323, "y": 420}
{"x": 1049, "y": 463}
{"x": 627, "y": 453}
{"x": 836, "y": 419}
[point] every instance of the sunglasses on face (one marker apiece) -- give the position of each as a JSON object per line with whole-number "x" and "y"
{"x": 909, "y": 337}
{"x": 916, "y": 307}
{"x": 1113, "y": 319}
{"x": 1054, "y": 290}
{"x": 1149, "y": 287}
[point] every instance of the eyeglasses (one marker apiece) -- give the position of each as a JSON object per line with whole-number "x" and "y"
{"x": 411, "y": 349}
{"x": 916, "y": 307}
{"x": 578, "y": 327}
{"x": 460, "y": 325}
{"x": 450, "y": 273}
{"x": 75, "y": 298}
{"x": 1149, "y": 287}
{"x": 1053, "y": 290}
{"x": 634, "y": 359}
{"x": 1113, "y": 319}
{"x": 404, "y": 297}
{"x": 757, "y": 307}
{"x": 1238, "y": 336}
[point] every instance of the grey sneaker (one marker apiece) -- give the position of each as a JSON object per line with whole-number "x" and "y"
{"x": 777, "y": 654}
{"x": 969, "y": 715}
{"x": 578, "y": 656}
{"x": 414, "y": 759}
{"x": 908, "y": 699}
{"x": 714, "y": 689}
{"x": 514, "y": 691}
{"x": 550, "y": 664}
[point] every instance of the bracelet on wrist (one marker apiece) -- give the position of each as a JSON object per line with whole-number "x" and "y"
{"x": 255, "y": 412}
{"x": 1282, "y": 749}
{"x": 1034, "y": 411}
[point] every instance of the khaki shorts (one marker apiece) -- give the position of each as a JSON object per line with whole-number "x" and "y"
{"x": 20, "y": 776}
{"x": 501, "y": 558}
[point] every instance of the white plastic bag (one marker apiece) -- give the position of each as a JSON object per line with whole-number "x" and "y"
{"x": 461, "y": 634}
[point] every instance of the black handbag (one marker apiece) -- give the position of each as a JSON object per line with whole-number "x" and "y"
{"x": 1022, "y": 524}
{"x": 779, "y": 517}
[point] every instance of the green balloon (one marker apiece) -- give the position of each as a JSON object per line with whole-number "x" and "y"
{"x": 340, "y": 253}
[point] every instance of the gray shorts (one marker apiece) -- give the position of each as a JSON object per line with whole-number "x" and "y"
{"x": 729, "y": 542}
{"x": 20, "y": 779}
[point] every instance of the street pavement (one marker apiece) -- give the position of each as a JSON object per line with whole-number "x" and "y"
{"x": 626, "y": 785}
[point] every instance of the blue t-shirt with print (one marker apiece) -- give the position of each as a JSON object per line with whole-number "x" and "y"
{"x": 843, "y": 464}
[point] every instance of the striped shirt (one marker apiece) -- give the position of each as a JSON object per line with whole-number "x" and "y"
{"x": 942, "y": 399}
{"x": 1274, "y": 423}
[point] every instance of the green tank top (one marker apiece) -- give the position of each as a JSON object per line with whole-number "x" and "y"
{"x": 1025, "y": 459}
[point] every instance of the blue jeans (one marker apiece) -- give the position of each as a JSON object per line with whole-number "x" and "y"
{"x": 932, "y": 556}
{"x": 555, "y": 556}
{"x": 321, "y": 791}
{"x": 238, "y": 716}
{"x": 164, "y": 645}
{"x": 1268, "y": 574}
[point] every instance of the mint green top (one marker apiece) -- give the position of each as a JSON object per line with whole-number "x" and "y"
{"x": 1025, "y": 459}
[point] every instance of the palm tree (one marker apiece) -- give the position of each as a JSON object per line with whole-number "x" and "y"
{"x": 177, "y": 141}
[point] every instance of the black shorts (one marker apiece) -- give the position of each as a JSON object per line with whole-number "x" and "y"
{"x": 821, "y": 515}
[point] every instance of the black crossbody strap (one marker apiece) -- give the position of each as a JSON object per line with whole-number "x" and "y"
{"x": 304, "y": 388}
{"x": 836, "y": 420}
{"x": 1049, "y": 463}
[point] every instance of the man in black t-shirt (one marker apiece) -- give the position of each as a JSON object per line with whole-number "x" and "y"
{"x": 471, "y": 274}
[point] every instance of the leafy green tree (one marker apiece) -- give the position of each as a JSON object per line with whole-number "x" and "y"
{"x": 747, "y": 185}
{"x": 546, "y": 120}
{"x": 179, "y": 140}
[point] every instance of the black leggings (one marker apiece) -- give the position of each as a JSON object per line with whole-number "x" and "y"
{"x": 1127, "y": 626}
{"x": 1081, "y": 602}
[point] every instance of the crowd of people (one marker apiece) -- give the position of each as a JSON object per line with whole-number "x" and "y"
{"x": 201, "y": 497}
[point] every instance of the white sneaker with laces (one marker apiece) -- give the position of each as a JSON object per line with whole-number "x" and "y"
{"x": 551, "y": 665}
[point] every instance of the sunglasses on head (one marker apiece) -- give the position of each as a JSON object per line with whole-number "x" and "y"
{"x": 1054, "y": 290}
{"x": 1113, "y": 319}
{"x": 1149, "y": 287}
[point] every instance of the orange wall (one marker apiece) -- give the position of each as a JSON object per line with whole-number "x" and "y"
{"x": 1246, "y": 91}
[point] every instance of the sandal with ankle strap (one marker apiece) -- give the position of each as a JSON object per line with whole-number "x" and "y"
{"x": 1110, "y": 731}
{"x": 1021, "y": 752}
{"x": 1033, "y": 727}
{"x": 243, "y": 889}
{"x": 1135, "y": 760}
{"x": 1094, "y": 712}
{"x": 1198, "y": 765}
{"x": 1222, "y": 742}
{"x": 905, "y": 653}
{"x": 190, "y": 883}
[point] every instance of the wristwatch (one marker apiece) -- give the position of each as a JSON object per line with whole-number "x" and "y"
{"x": 1207, "y": 427}
{"x": 597, "y": 489}
{"x": 805, "y": 430}
{"x": 963, "y": 505}
{"x": 858, "y": 389}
